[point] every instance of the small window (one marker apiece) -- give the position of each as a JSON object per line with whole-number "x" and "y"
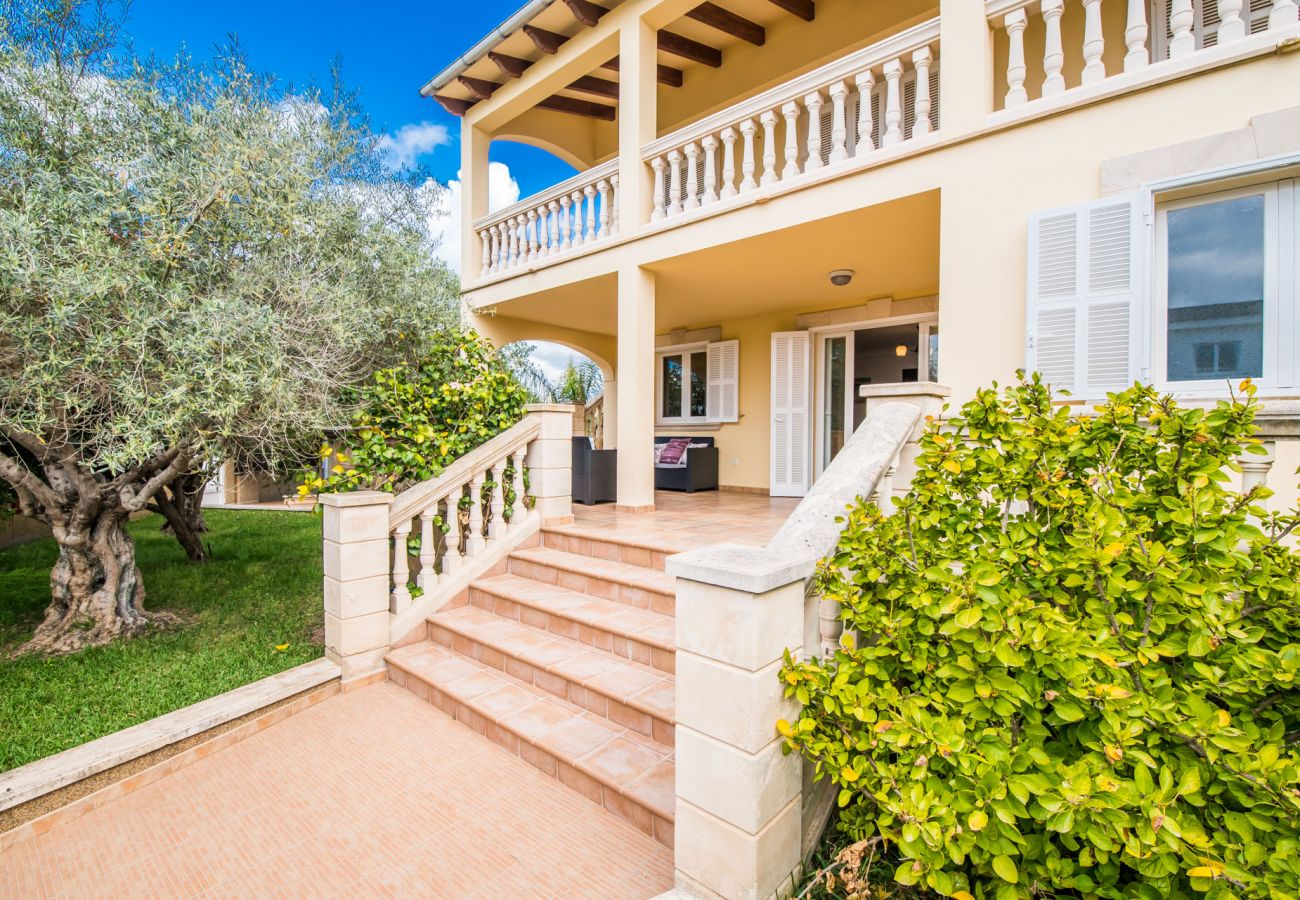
{"x": 697, "y": 383}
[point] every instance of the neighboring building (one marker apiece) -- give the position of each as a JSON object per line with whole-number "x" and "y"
{"x": 1103, "y": 191}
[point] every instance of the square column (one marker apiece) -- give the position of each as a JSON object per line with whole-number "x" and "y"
{"x": 636, "y": 389}
{"x": 637, "y": 121}
{"x": 966, "y": 76}
{"x": 474, "y": 143}
{"x": 550, "y": 462}
{"x": 357, "y": 557}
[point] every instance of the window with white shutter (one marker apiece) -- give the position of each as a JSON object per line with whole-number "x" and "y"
{"x": 1086, "y": 296}
{"x": 698, "y": 383}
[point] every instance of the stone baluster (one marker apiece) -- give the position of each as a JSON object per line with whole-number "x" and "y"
{"x": 613, "y": 187}
{"x": 660, "y": 198}
{"x": 1232, "y": 27}
{"x": 554, "y": 222}
{"x": 514, "y": 242}
{"x": 517, "y": 507}
{"x": 452, "y": 559}
{"x": 885, "y": 490}
{"x": 1015, "y": 22}
{"x": 530, "y": 232}
{"x": 839, "y": 128}
{"x": 602, "y": 188}
{"x": 866, "y": 83}
{"x": 1255, "y": 467}
{"x": 485, "y": 243}
{"x": 893, "y": 103}
{"x": 830, "y": 626}
{"x": 498, "y": 246}
{"x": 747, "y": 183}
{"x": 401, "y": 569}
{"x": 496, "y": 521}
{"x": 1135, "y": 37}
{"x": 710, "y": 145}
{"x": 474, "y": 542}
{"x": 1284, "y": 13}
{"x": 1182, "y": 18}
{"x": 589, "y": 228}
{"x": 729, "y": 136}
{"x": 814, "y": 102}
{"x": 544, "y": 230}
{"x": 428, "y": 576}
{"x": 1053, "y": 55}
{"x": 921, "y": 61}
{"x": 768, "y": 120}
{"x": 675, "y": 190}
{"x": 566, "y": 222}
{"x": 1094, "y": 43}
{"x": 791, "y": 168}
{"x": 692, "y": 176}
{"x": 576, "y": 198}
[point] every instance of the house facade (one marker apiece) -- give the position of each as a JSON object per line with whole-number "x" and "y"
{"x": 781, "y": 202}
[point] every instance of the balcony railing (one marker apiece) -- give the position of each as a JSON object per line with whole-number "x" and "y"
{"x": 873, "y": 99}
{"x": 1179, "y": 30}
{"x": 570, "y": 216}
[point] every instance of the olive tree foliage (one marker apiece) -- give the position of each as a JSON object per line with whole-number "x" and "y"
{"x": 194, "y": 263}
{"x": 1070, "y": 660}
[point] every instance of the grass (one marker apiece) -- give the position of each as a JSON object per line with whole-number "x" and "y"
{"x": 262, "y": 589}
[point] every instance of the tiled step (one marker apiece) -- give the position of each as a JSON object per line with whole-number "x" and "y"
{"x": 634, "y": 585}
{"x": 634, "y": 696}
{"x": 639, "y": 635}
{"x": 647, "y": 550}
{"x": 627, "y": 773}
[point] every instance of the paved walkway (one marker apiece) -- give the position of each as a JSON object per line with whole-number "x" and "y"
{"x": 371, "y": 793}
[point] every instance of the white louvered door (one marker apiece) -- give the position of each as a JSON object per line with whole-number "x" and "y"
{"x": 1086, "y": 298}
{"x": 791, "y": 419}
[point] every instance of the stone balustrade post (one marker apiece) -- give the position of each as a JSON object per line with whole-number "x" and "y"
{"x": 927, "y": 396}
{"x": 739, "y": 814}
{"x": 550, "y": 462}
{"x": 357, "y": 568}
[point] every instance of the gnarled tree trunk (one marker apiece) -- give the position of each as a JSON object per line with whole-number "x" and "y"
{"x": 96, "y": 590}
{"x": 181, "y": 504}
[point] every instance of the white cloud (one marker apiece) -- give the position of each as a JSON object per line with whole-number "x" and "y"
{"x": 410, "y": 142}
{"x": 503, "y": 190}
{"x": 552, "y": 358}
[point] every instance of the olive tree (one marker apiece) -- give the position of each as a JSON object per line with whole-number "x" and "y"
{"x": 194, "y": 262}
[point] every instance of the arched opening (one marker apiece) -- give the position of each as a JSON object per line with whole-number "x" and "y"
{"x": 533, "y": 167}
{"x": 553, "y": 372}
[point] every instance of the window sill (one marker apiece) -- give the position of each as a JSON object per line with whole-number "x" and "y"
{"x": 687, "y": 425}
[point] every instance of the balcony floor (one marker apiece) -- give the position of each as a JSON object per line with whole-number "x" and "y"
{"x": 683, "y": 521}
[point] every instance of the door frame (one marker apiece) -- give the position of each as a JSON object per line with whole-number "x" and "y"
{"x": 819, "y": 336}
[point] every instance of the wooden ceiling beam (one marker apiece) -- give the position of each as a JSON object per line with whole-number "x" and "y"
{"x": 600, "y": 87}
{"x": 546, "y": 41}
{"x": 667, "y": 74}
{"x": 729, "y": 23}
{"x": 454, "y": 105}
{"x": 510, "y": 66}
{"x": 575, "y": 107}
{"x": 586, "y": 12}
{"x": 478, "y": 88}
{"x": 804, "y": 9}
{"x": 680, "y": 45}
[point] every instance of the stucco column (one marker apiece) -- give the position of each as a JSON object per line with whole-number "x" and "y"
{"x": 356, "y": 558}
{"x": 637, "y": 121}
{"x": 550, "y": 462}
{"x": 609, "y": 428}
{"x": 636, "y": 389}
{"x": 474, "y": 144}
{"x": 966, "y": 68}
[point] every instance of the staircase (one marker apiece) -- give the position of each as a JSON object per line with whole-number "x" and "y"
{"x": 564, "y": 655}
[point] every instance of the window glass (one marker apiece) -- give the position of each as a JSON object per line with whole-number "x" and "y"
{"x": 933, "y": 374}
{"x": 672, "y": 387}
{"x": 1216, "y": 290}
{"x": 699, "y": 384}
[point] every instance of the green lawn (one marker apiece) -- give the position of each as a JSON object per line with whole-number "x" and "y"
{"x": 261, "y": 589}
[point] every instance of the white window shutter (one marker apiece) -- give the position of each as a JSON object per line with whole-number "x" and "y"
{"x": 724, "y": 381}
{"x": 791, "y": 436}
{"x": 1086, "y": 296}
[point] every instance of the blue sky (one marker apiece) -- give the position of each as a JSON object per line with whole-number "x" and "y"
{"x": 389, "y": 49}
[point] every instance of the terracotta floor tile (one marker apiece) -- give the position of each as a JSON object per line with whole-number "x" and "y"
{"x": 504, "y": 702}
{"x": 623, "y": 680}
{"x": 621, "y": 761}
{"x": 579, "y": 736}
{"x": 658, "y": 788}
{"x": 659, "y": 698}
{"x": 538, "y": 719}
{"x": 585, "y": 665}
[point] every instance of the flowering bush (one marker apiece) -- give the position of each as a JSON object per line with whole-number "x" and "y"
{"x": 413, "y": 421}
{"x": 1070, "y": 659}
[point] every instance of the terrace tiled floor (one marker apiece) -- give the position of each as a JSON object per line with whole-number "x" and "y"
{"x": 371, "y": 793}
{"x": 687, "y": 521}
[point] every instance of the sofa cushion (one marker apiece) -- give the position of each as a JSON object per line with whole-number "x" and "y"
{"x": 672, "y": 453}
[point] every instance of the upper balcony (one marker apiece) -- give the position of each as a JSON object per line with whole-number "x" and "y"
{"x": 736, "y": 106}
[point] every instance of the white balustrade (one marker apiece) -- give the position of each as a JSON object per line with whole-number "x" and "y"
{"x": 1153, "y": 33}
{"x": 581, "y": 211}
{"x": 823, "y": 119}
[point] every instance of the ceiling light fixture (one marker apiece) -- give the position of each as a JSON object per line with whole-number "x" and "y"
{"x": 841, "y": 277}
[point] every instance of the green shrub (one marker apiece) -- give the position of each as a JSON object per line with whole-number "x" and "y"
{"x": 413, "y": 421}
{"x": 1070, "y": 659}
